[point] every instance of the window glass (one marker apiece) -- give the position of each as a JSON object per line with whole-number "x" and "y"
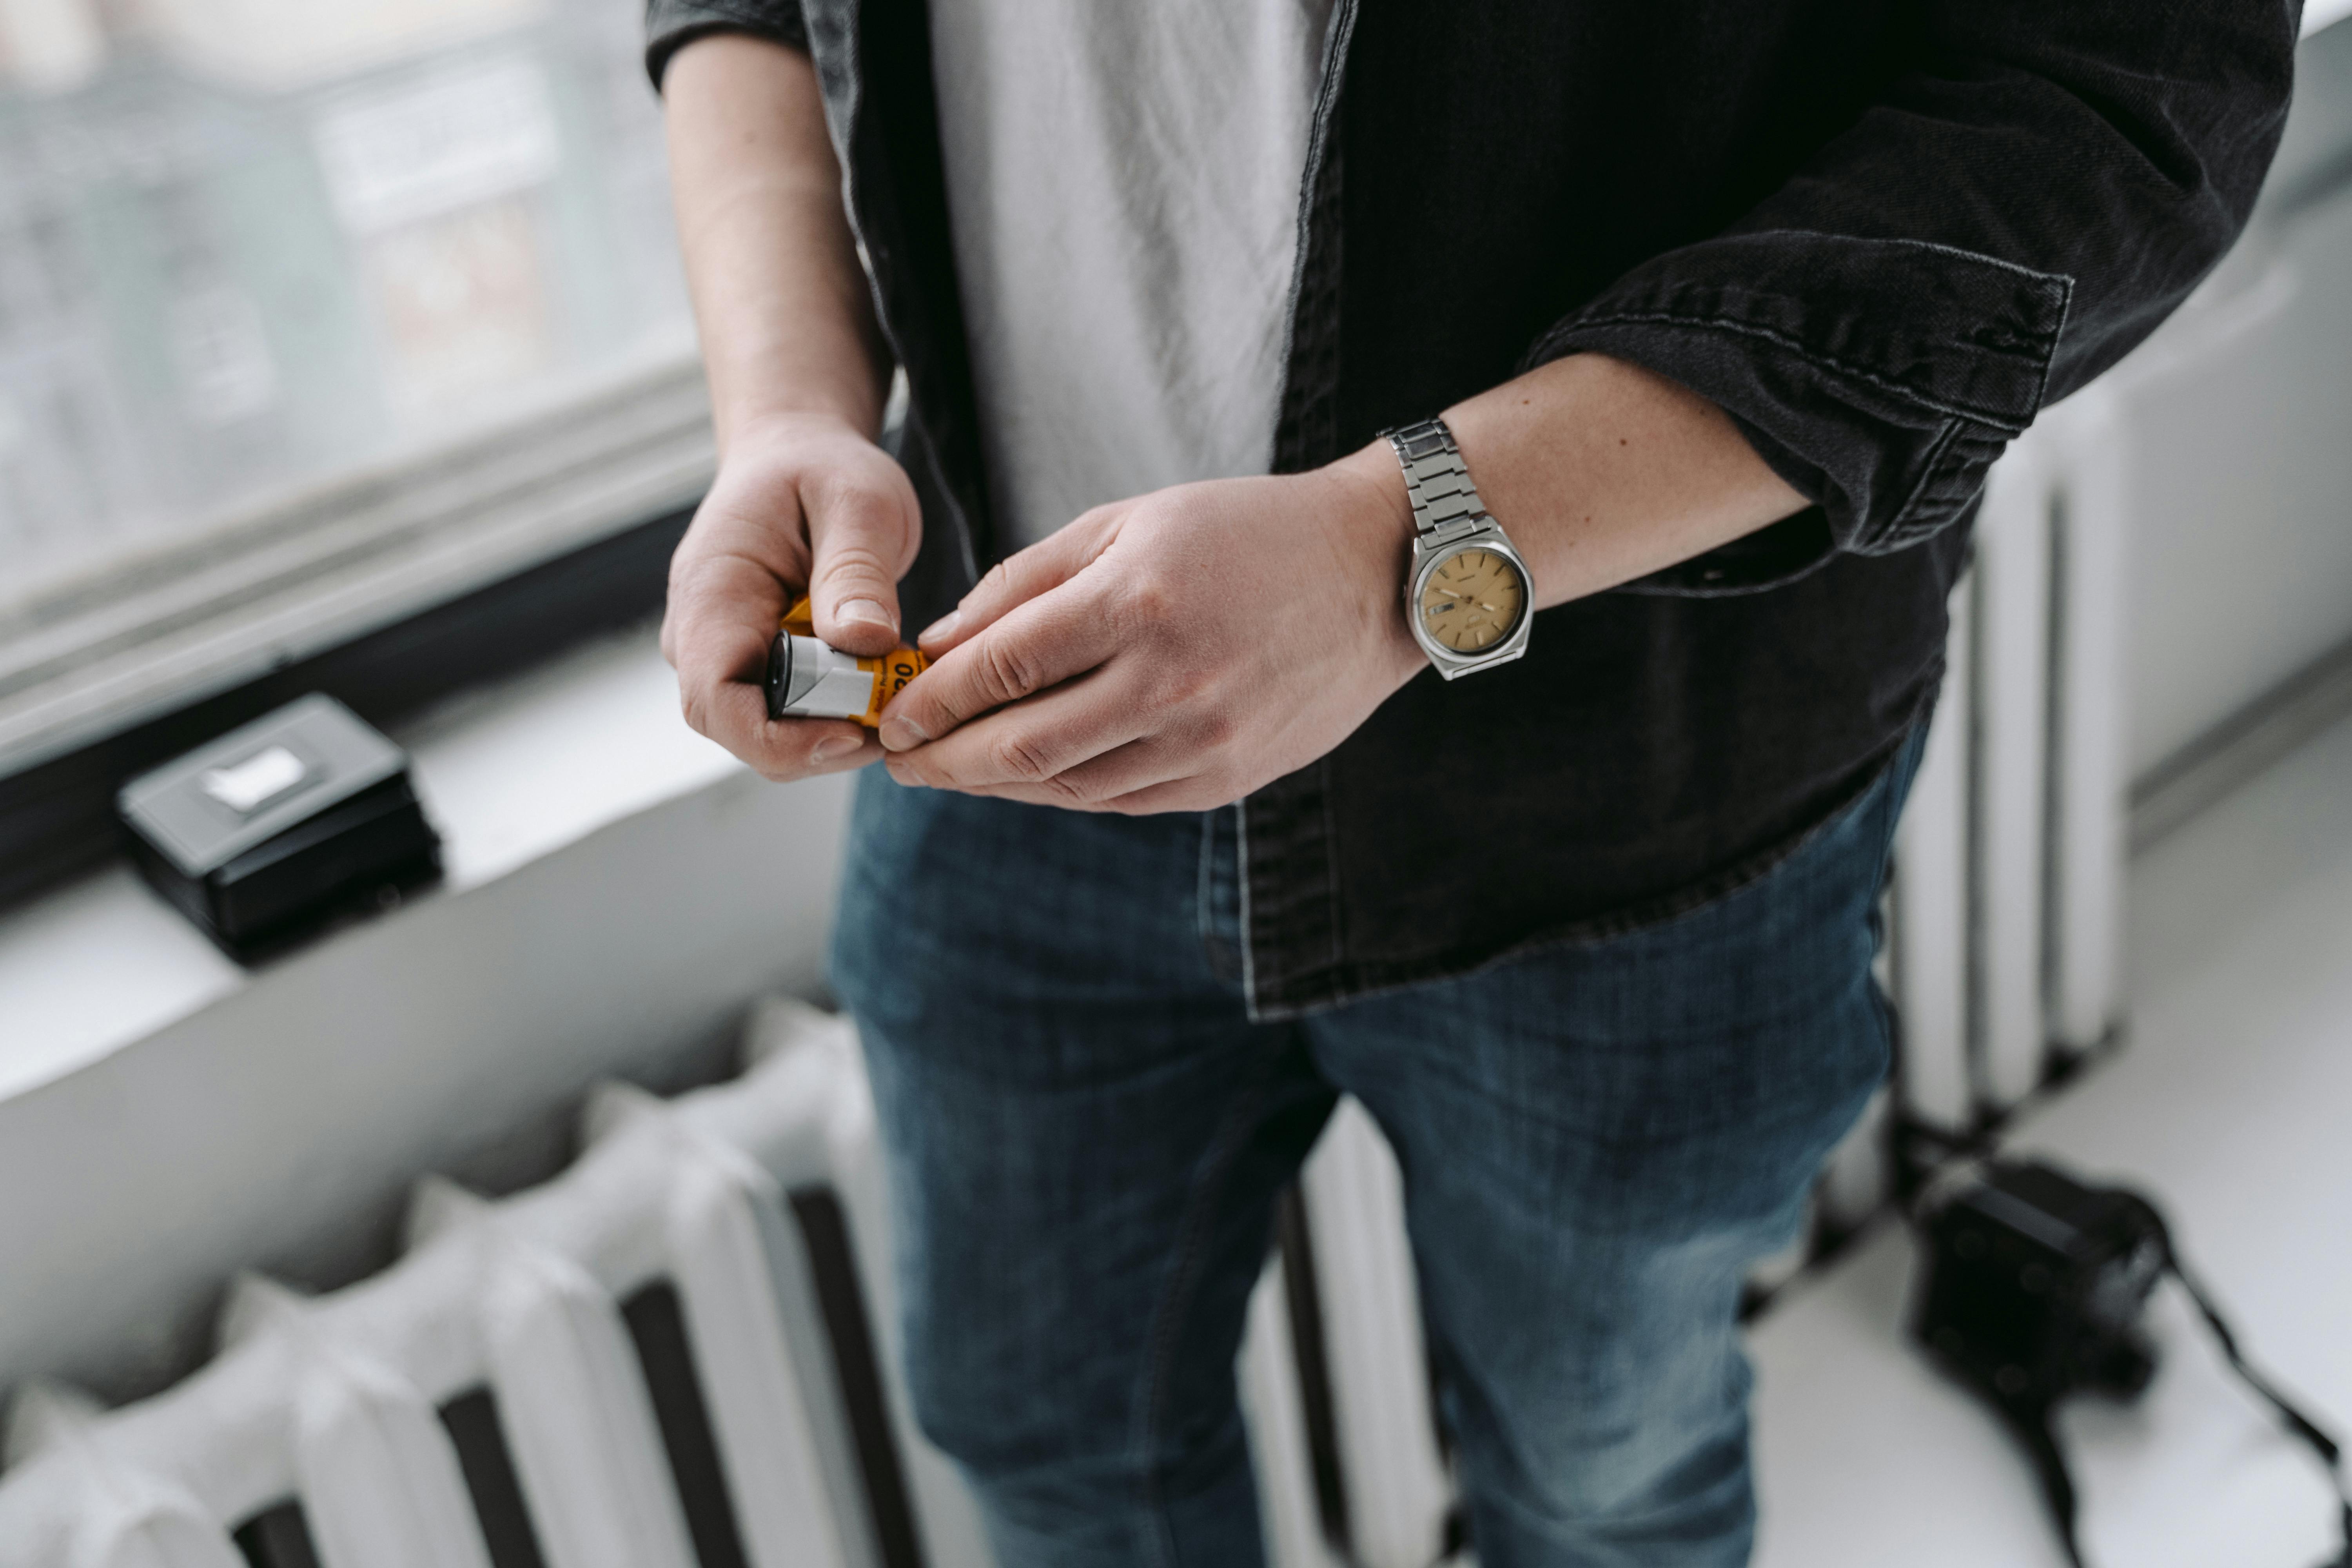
{"x": 249, "y": 244}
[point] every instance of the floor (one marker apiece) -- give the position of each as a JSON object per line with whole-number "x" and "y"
{"x": 2229, "y": 1103}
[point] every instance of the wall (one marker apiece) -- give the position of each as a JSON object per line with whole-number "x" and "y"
{"x": 2243, "y": 426}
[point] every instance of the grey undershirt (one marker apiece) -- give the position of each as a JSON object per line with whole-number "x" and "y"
{"x": 1123, "y": 183}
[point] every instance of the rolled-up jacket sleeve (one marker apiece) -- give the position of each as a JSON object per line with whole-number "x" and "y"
{"x": 2005, "y": 222}
{"x": 671, "y": 25}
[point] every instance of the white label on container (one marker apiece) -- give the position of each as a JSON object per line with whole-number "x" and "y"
{"x": 436, "y": 144}
{"x": 254, "y": 782}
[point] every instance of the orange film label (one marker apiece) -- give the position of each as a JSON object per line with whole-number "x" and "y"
{"x": 893, "y": 672}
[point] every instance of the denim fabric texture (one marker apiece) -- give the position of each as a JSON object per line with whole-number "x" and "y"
{"x": 1088, "y": 1133}
{"x": 1879, "y": 234}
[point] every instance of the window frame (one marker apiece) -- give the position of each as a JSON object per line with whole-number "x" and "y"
{"x": 137, "y": 634}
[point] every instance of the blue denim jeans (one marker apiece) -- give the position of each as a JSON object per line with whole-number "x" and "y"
{"x": 1087, "y": 1135}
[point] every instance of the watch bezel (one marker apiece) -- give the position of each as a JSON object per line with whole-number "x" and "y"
{"x": 1427, "y": 559}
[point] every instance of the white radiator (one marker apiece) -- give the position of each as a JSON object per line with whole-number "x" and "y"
{"x": 2006, "y": 911}
{"x": 680, "y": 1353}
{"x": 676, "y": 1355}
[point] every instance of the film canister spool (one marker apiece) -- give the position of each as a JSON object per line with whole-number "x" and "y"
{"x": 807, "y": 679}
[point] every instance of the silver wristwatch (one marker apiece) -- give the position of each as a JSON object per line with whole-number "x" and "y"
{"x": 1469, "y": 597}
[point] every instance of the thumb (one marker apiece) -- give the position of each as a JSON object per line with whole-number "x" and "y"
{"x": 862, "y": 537}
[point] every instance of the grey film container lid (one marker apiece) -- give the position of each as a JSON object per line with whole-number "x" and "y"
{"x": 187, "y": 808}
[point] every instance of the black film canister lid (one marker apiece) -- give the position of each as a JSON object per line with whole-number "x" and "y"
{"x": 780, "y": 673}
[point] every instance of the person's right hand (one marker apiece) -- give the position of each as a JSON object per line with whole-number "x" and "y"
{"x": 802, "y": 500}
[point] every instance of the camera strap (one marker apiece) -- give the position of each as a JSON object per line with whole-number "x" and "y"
{"x": 2030, "y": 1419}
{"x": 2301, "y": 1425}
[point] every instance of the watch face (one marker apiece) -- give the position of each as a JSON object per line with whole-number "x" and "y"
{"x": 1473, "y": 600}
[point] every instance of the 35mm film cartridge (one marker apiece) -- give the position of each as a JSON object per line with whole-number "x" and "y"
{"x": 807, "y": 679}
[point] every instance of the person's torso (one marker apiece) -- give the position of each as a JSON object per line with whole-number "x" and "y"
{"x": 1472, "y": 175}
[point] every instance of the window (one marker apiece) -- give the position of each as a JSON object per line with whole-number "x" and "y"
{"x": 313, "y": 315}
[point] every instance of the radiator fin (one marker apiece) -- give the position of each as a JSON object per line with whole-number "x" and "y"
{"x": 472, "y": 1421}
{"x": 824, "y": 1231}
{"x": 1398, "y": 1489}
{"x": 585, "y": 1439}
{"x": 2010, "y": 778}
{"x": 1275, "y": 1408}
{"x": 2089, "y": 746}
{"x": 278, "y": 1537}
{"x": 378, "y": 1476}
{"x": 1929, "y": 932}
{"x": 657, "y": 1326}
{"x": 784, "y": 1460}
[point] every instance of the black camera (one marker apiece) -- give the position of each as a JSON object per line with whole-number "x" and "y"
{"x": 2036, "y": 1284}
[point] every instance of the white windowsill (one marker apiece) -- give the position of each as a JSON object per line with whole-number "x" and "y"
{"x": 509, "y": 774}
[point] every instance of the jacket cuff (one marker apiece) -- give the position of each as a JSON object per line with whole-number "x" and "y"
{"x": 671, "y": 25}
{"x": 1879, "y": 377}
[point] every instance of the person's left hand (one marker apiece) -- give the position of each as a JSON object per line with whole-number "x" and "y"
{"x": 1173, "y": 652}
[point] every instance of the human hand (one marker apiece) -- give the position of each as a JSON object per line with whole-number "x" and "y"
{"x": 802, "y": 500}
{"x": 1173, "y": 652}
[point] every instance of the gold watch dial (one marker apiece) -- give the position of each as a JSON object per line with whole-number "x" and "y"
{"x": 1473, "y": 600}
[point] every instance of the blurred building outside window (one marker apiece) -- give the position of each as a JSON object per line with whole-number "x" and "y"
{"x": 255, "y": 251}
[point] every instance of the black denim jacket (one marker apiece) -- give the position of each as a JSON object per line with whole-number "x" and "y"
{"x": 1880, "y": 233}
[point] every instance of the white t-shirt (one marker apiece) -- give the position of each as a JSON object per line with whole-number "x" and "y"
{"x": 1123, "y": 180}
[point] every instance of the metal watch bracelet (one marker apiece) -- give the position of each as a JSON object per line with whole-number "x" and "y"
{"x": 1445, "y": 504}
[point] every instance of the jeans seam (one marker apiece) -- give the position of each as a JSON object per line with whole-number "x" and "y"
{"x": 1168, "y": 1324}
{"x": 1204, "y": 920}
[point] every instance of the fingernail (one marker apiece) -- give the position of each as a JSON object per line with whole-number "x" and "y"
{"x": 943, "y": 627}
{"x": 900, "y": 734}
{"x": 832, "y": 748}
{"x": 866, "y": 612}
